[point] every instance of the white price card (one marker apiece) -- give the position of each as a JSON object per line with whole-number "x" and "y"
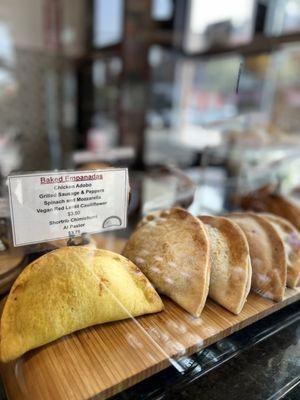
{"x": 56, "y": 205}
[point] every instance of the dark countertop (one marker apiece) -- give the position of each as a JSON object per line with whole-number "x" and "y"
{"x": 262, "y": 372}
{"x": 260, "y": 362}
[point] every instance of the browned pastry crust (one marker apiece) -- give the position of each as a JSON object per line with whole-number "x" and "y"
{"x": 267, "y": 252}
{"x": 230, "y": 263}
{"x": 94, "y": 166}
{"x": 172, "y": 250}
{"x": 266, "y": 201}
{"x": 291, "y": 238}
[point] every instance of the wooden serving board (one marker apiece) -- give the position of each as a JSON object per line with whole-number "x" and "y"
{"x": 106, "y": 359}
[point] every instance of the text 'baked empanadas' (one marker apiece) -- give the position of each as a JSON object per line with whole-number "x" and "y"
{"x": 171, "y": 248}
{"x": 231, "y": 272}
{"x": 69, "y": 289}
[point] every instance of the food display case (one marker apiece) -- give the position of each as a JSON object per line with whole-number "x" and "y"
{"x": 149, "y": 200}
{"x": 159, "y": 344}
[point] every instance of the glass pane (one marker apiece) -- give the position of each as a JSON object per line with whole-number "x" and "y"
{"x": 230, "y": 24}
{"x": 108, "y": 22}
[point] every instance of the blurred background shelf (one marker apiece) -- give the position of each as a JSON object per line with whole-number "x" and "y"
{"x": 259, "y": 44}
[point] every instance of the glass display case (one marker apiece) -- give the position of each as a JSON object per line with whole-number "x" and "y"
{"x": 149, "y": 200}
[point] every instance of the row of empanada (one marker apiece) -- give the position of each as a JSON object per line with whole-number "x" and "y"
{"x": 184, "y": 257}
{"x": 187, "y": 258}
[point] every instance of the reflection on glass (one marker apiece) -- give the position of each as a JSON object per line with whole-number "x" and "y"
{"x": 283, "y": 17}
{"x": 207, "y": 95}
{"x": 162, "y": 10}
{"x": 283, "y": 85}
{"x": 211, "y": 23}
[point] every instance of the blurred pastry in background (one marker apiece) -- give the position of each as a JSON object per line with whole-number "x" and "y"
{"x": 291, "y": 239}
{"x": 94, "y": 166}
{"x": 265, "y": 199}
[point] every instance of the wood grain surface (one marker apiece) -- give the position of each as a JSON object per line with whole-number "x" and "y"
{"x": 106, "y": 359}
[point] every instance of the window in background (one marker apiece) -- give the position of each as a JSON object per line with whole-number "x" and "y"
{"x": 108, "y": 22}
{"x": 102, "y": 133}
{"x": 284, "y": 89}
{"x": 163, "y": 88}
{"x": 211, "y": 23}
{"x": 162, "y": 10}
{"x": 283, "y": 17}
{"x": 105, "y": 75}
{"x": 207, "y": 96}
{"x": 161, "y": 144}
{"x": 10, "y": 154}
{"x": 253, "y": 82}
